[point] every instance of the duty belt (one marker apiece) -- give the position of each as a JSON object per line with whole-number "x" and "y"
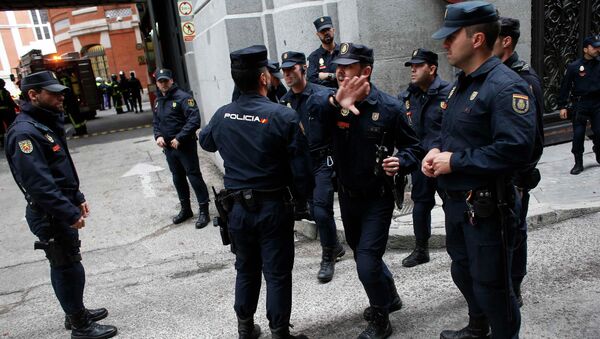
{"x": 320, "y": 153}
{"x": 277, "y": 194}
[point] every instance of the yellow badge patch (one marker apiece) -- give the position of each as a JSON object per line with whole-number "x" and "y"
{"x": 520, "y": 103}
{"x": 344, "y": 48}
{"x": 443, "y": 105}
{"x": 26, "y": 146}
{"x": 451, "y": 92}
{"x": 49, "y": 137}
{"x": 191, "y": 102}
{"x": 174, "y": 104}
{"x": 375, "y": 116}
{"x": 345, "y": 112}
{"x": 473, "y": 95}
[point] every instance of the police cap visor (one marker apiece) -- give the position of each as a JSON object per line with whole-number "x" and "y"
{"x": 465, "y": 14}
{"x": 45, "y": 80}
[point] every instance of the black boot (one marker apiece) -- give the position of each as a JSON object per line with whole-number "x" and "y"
{"x": 379, "y": 325}
{"x": 329, "y": 257}
{"x": 203, "y": 216}
{"x": 578, "y": 168}
{"x": 283, "y": 332}
{"x": 247, "y": 329}
{"x": 185, "y": 213}
{"x": 395, "y": 305}
{"x": 478, "y": 327}
{"x": 419, "y": 255}
{"x": 92, "y": 314}
{"x": 85, "y": 328}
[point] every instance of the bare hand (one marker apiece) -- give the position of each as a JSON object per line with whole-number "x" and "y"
{"x": 391, "y": 165}
{"x": 441, "y": 164}
{"x": 174, "y": 143}
{"x": 323, "y": 76}
{"x": 353, "y": 90}
{"x": 563, "y": 113}
{"x": 160, "y": 141}
{"x": 85, "y": 209}
{"x": 427, "y": 163}
{"x": 79, "y": 224}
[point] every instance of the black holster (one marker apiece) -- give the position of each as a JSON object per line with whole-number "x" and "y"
{"x": 57, "y": 253}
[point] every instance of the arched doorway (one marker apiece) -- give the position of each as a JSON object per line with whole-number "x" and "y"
{"x": 98, "y": 59}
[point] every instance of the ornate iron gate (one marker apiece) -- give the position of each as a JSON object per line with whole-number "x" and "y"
{"x": 558, "y": 30}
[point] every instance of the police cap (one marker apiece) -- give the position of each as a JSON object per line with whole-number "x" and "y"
{"x": 45, "y": 80}
{"x": 164, "y": 73}
{"x": 249, "y": 58}
{"x": 420, "y": 56}
{"x": 510, "y": 27}
{"x": 593, "y": 40}
{"x": 291, "y": 58}
{"x": 274, "y": 69}
{"x": 465, "y": 14}
{"x": 322, "y": 23}
{"x": 352, "y": 53}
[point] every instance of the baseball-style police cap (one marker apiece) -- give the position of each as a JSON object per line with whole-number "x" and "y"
{"x": 420, "y": 56}
{"x": 274, "y": 69}
{"x": 249, "y": 58}
{"x": 291, "y": 58}
{"x": 352, "y": 53}
{"x": 510, "y": 27}
{"x": 322, "y": 23}
{"x": 593, "y": 40}
{"x": 45, "y": 80}
{"x": 164, "y": 73}
{"x": 465, "y": 14}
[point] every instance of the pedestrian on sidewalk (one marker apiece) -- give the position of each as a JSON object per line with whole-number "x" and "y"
{"x": 368, "y": 125}
{"x": 135, "y": 86}
{"x": 42, "y": 167}
{"x": 581, "y": 88}
{"x": 424, "y": 100}
{"x": 265, "y": 153}
{"x": 528, "y": 178}
{"x": 176, "y": 120}
{"x": 488, "y": 133}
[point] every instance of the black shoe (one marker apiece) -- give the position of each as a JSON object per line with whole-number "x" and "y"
{"x": 247, "y": 329}
{"x": 92, "y": 314}
{"x": 84, "y": 328}
{"x": 478, "y": 328}
{"x": 419, "y": 255}
{"x": 283, "y": 332}
{"x": 184, "y": 214}
{"x": 203, "y": 216}
{"x": 578, "y": 168}
{"x": 329, "y": 257}
{"x": 379, "y": 325}
{"x": 396, "y": 305}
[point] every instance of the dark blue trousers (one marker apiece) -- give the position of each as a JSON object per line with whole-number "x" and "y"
{"x": 519, "y": 263}
{"x": 264, "y": 242}
{"x": 477, "y": 267}
{"x": 321, "y": 204}
{"x": 423, "y": 196}
{"x": 583, "y": 114}
{"x": 68, "y": 281}
{"x": 183, "y": 162}
{"x": 366, "y": 224}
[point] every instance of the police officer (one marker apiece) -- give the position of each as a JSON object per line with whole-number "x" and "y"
{"x": 40, "y": 162}
{"x": 487, "y": 135}
{"x": 527, "y": 178}
{"x": 7, "y": 110}
{"x": 581, "y": 87}
{"x": 264, "y": 153}
{"x": 116, "y": 93}
{"x": 321, "y": 70}
{"x": 368, "y": 125}
{"x": 176, "y": 120}
{"x": 136, "y": 89}
{"x": 424, "y": 101}
{"x": 318, "y": 134}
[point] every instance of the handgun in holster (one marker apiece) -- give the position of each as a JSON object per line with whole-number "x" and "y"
{"x": 397, "y": 183}
{"x": 223, "y": 203}
{"x": 56, "y": 253}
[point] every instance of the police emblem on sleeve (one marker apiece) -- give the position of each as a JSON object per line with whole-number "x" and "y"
{"x": 345, "y": 112}
{"x": 191, "y": 102}
{"x": 344, "y": 48}
{"x": 51, "y": 139}
{"x": 520, "y": 103}
{"x": 26, "y": 146}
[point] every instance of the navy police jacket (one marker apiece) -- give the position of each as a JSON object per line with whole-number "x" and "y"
{"x": 39, "y": 159}
{"x": 582, "y": 80}
{"x": 424, "y": 109}
{"x": 262, "y": 145}
{"x": 316, "y": 126}
{"x": 176, "y": 116}
{"x": 356, "y": 138}
{"x": 489, "y": 125}
{"x": 320, "y": 61}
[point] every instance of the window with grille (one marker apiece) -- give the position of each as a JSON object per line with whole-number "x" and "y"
{"x": 119, "y": 12}
{"x": 40, "y": 23}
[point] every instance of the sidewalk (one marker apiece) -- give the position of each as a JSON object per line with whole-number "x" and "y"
{"x": 559, "y": 196}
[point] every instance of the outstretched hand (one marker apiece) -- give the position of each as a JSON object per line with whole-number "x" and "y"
{"x": 352, "y": 90}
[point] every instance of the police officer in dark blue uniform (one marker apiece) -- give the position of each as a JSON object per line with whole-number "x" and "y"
{"x": 488, "y": 133}
{"x": 424, "y": 100}
{"x": 264, "y": 153}
{"x": 176, "y": 120}
{"x": 40, "y": 162}
{"x": 527, "y": 178}
{"x": 318, "y": 133}
{"x": 321, "y": 70}
{"x": 368, "y": 125}
{"x": 581, "y": 87}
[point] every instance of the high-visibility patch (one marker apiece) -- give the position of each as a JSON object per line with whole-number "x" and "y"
{"x": 520, "y": 103}
{"x": 26, "y": 146}
{"x": 191, "y": 102}
{"x": 51, "y": 139}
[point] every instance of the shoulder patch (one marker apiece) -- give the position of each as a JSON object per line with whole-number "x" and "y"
{"x": 191, "y": 102}
{"x": 520, "y": 103}
{"x": 26, "y": 146}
